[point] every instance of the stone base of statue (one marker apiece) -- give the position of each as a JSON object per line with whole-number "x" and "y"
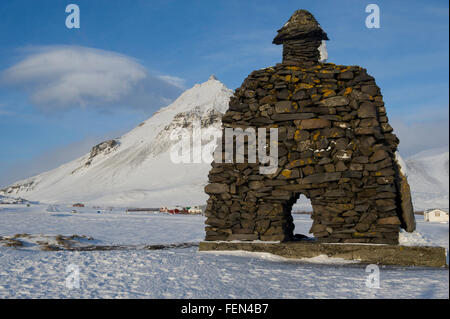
{"x": 423, "y": 256}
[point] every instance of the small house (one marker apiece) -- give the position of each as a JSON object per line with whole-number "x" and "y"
{"x": 78, "y": 205}
{"x": 436, "y": 215}
{"x": 195, "y": 210}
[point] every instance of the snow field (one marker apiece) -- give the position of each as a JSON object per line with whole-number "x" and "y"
{"x": 187, "y": 273}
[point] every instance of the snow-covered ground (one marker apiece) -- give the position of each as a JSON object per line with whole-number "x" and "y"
{"x": 187, "y": 273}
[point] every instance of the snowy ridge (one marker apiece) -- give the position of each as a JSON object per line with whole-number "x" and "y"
{"x": 136, "y": 169}
{"x": 5, "y": 200}
{"x": 428, "y": 177}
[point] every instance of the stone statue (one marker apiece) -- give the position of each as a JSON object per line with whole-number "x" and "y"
{"x": 335, "y": 146}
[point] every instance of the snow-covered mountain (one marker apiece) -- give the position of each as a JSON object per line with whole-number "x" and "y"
{"x": 427, "y": 174}
{"x": 136, "y": 169}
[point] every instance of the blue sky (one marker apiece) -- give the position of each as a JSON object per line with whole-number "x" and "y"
{"x": 145, "y": 53}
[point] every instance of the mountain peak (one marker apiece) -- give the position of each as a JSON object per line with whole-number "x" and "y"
{"x": 129, "y": 170}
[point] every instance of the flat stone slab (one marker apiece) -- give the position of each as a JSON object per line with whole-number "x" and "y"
{"x": 365, "y": 253}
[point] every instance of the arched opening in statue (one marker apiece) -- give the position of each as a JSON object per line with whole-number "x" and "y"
{"x": 302, "y": 217}
{"x": 298, "y": 214}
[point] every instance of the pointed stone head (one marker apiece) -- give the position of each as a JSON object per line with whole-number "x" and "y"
{"x": 301, "y": 38}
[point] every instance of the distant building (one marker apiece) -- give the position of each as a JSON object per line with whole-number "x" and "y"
{"x": 78, "y": 205}
{"x": 435, "y": 215}
{"x": 195, "y": 210}
{"x": 182, "y": 210}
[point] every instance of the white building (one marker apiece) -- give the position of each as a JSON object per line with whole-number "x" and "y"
{"x": 436, "y": 215}
{"x": 195, "y": 210}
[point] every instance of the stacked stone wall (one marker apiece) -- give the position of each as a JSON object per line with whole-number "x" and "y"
{"x": 335, "y": 146}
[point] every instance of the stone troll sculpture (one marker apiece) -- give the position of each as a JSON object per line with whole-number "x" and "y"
{"x": 335, "y": 146}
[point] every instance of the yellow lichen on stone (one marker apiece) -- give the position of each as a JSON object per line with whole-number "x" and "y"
{"x": 296, "y": 135}
{"x": 348, "y": 91}
{"x": 368, "y": 234}
{"x": 286, "y": 173}
{"x": 327, "y": 93}
{"x": 335, "y": 134}
{"x": 316, "y": 136}
{"x": 297, "y": 162}
{"x": 288, "y": 78}
{"x": 294, "y": 68}
{"x": 303, "y": 86}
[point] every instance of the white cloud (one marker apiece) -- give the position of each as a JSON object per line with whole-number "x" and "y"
{"x": 59, "y": 77}
{"x": 174, "y": 80}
